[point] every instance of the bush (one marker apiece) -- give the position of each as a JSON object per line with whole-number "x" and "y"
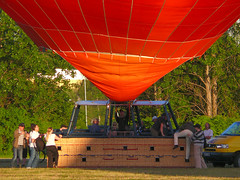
{"x": 218, "y": 124}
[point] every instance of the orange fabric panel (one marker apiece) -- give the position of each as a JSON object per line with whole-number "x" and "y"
{"x": 121, "y": 78}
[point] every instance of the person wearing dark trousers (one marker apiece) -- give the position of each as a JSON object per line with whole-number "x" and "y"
{"x": 198, "y": 140}
{"x": 52, "y": 151}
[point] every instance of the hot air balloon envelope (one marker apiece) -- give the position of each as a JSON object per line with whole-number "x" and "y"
{"x": 123, "y": 47}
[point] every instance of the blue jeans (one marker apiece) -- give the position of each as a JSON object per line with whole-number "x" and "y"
{"x": 17, "y": 152}
{"x": 34, "y": 158}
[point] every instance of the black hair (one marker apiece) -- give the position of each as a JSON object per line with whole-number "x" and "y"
{"x": 33, "y": 126}
{"x": 63, "y": 126}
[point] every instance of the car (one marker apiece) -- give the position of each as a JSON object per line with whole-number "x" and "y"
{"x": 224, "y": 149}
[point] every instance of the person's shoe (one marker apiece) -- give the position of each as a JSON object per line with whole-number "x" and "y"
{"x": 186, "y": 160}
{"x": 28, "y": 167}
{"x": 175, "y": 146}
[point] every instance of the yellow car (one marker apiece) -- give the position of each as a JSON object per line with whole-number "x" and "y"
{"x": 224, "y": 149}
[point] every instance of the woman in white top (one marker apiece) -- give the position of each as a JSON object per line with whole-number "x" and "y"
{"x": 34, "y": 155}
{"x": 52, "y": 151}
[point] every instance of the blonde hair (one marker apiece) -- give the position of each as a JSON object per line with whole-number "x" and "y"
{"x": 49, "y": 132}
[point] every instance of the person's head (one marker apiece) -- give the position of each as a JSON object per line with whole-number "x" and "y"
{"x": 21, "y": 126}
{"x": 95, "y": 121}
{"x": 114, "y": 124}
{"x": 197, "y": 127}
{"x": 35, "y": 127}
{"x": 207, "y": 126}
{"x": 63, "y": 127}
{"x": 122, "y": 113}
{"x": 154, "y": 118}
{"x": 49, "y": 130}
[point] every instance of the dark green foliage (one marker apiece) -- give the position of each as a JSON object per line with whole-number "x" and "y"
{"x": 218, "y": 124}
{"x": 26, "y": 94}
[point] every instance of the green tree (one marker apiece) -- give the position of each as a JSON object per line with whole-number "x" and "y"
{"x": 27, "y": 95}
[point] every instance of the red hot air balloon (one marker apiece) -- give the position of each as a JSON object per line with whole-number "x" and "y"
{"x": 123, "y": 47}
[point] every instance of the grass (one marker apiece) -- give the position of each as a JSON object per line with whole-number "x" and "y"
{"x": 123, "y": 173}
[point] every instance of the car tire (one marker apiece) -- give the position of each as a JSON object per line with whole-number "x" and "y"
{"x": 218, "y": 164}
{"x": 236, "y": 161}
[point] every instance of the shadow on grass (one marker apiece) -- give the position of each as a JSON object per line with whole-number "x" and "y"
{"x": 6, "y": 163}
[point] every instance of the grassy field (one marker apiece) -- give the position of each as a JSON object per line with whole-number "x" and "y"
{"x": 123, "y": 173}
{"x": 115, "y": 173}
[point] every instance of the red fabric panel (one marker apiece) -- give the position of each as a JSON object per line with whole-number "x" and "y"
{"x": 46, "y": 37}
{"x": 151, "y": 48}
{"x": 76, "y": 43}
{"x": 37, "y": 17}
{"x": 134, "y": 46}
{"x": 117, "y": 16}
{"x": 87, "y": 41}
{"x": 144, "y": 15}
{"x": 94, "y": 15}
{"x": 118, "y": 45}
{"x": 102, "y": 43}
{"x": 59, "y": 40}
{"x": 73, "y": 15}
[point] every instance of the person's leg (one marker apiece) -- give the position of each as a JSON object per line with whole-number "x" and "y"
{"x": 20, "y": 155}
{"x": 203, "y": 164}
{"x": 176, "y": 135}
{"x": 56, "y": 155}
{"x": 50, "y": 157}
{"x": 32, "y": 157}
{"x": 197, "y": 156}
{"x": 24, "y": 156}
{"x": 14, "y": 157}
{"x": 188, "y": 143}
{"x": 36, "y": 160}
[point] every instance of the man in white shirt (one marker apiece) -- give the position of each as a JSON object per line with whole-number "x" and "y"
{"x": 208, "y": 133}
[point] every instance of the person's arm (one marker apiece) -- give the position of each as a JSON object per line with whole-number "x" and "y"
{"x": 16, "y": 134}
{"x": 199, "y": 135}
{"x": 58, "y": 137}
{"x": 161, "y": 129}
{"x": 209, "y": 135}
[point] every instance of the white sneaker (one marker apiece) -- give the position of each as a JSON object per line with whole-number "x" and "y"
{"x": 28, "y": 167}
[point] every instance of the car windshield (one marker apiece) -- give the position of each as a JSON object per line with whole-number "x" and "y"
{"x": 233, "y": 130}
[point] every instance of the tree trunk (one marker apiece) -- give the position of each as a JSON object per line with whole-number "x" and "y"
{"x": 208, "y": 92}
{"x": 214, "y": 97}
